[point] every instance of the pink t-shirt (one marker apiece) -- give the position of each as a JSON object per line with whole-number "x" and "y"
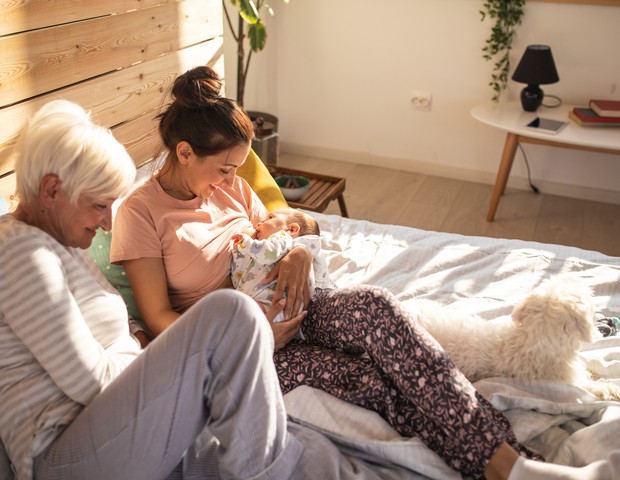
{"x": 191, "y": 236}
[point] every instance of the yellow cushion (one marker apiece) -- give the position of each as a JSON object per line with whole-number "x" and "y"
{"x": 256, "y": 174}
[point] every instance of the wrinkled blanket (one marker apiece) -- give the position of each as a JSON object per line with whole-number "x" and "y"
{"x": 485, "y": 277}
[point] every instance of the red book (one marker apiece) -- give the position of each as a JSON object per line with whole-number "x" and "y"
{"x": 588, "y": 118}
{"x": 606, "y": 108}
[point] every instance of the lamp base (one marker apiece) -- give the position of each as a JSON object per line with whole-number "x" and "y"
{"x": 531, "y": 98}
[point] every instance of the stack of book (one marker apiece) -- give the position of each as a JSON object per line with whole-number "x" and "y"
{"x": 601, "y": 113}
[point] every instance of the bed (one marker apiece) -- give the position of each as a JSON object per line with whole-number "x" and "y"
{"x": 486, "y": 277}
{"x": 471, "y": 275}
{"x": 475, "y": 275}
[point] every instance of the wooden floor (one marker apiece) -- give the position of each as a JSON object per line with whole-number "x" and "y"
{"x": 446, "y": 205}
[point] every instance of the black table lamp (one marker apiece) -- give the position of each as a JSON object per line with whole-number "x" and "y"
{"x": 535, "y": 68}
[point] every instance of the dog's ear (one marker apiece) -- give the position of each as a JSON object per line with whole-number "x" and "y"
{"x": 533, "y": 315}
{"x": 582, "y": 323}
{"x": 561, "y": 306}
{"x": 578, "y": 300}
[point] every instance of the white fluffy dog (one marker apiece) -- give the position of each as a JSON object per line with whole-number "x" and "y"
{"x": 540, "y": 342}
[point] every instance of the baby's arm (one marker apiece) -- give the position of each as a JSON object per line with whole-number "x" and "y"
{"x": 312, "y": 242}
{"x": 267, "y": 251}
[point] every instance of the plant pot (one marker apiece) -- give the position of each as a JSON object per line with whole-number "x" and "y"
{"x": 265, "y": 142}
{"x": 268, "y": 117}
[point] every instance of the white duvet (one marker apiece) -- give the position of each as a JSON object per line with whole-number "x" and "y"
{"x": 481, "y": 276}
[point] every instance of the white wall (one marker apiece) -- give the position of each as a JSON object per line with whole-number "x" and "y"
{"x": 339, "y": 75}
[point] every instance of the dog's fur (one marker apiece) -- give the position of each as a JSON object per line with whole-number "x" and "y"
{"x": 540, "y": 342}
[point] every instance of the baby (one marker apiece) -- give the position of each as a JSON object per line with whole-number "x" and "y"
{"x": 256, "y": 254}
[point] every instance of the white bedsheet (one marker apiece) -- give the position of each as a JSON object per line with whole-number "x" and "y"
{"x": 481, "y": 276}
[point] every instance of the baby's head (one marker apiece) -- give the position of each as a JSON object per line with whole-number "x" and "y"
{"x": 295, "y": 222}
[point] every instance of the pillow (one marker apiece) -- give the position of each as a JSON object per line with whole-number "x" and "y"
{"x": 253, "y": 171}
{"x": 100, "y": 251}
{"x": 256, "y": 174}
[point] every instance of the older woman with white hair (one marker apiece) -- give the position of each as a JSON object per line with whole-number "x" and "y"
{"x": 78, "y": 398}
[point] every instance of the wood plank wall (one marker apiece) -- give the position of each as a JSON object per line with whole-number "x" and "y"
{"x": 116, "y": 58}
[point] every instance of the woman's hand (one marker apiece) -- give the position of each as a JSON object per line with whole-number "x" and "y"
{"x": 142, "y": 338}
{"x": 293, "y": 274}
{"x": 283, "y": 332}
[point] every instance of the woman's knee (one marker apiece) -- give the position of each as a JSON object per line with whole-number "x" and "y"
{"x": 372, "y": 292}
{"x": 225, "y": 297}
{"x": 220, "y": 309}
{"x": 374, "y": 299}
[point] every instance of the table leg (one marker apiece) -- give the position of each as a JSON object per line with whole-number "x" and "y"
{"x": 510, "y": 148}
{"x": 343, "y": 207}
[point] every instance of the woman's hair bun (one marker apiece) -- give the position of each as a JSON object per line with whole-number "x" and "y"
{"x": 199, "y": 115}
{"x": 197, "y": 87}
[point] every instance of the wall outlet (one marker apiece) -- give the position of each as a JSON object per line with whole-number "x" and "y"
{"x": 421, "y": 101}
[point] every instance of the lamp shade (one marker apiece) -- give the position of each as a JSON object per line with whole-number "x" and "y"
{"x": 536, "y": 66}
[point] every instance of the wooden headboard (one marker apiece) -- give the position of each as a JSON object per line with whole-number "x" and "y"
{"x": 116, "y": 58}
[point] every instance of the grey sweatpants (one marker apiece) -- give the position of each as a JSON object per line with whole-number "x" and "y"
{"x": 202, "y": 401}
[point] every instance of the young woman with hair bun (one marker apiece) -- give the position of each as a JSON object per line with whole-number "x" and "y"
{"x": 173, "y": 237}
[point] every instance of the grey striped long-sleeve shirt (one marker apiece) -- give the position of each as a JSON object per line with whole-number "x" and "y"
{"x": 64, "y": 337}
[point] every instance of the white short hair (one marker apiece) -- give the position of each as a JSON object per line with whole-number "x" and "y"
{"x": 61, "y": 139}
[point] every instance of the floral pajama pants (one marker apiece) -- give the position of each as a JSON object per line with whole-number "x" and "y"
{"x": 405, "y": 375}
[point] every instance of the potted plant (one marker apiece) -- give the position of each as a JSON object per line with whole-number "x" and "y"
{"x": 507, "y": 15}
{"x": 250, "y": 26}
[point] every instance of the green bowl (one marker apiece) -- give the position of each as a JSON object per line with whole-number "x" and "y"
{"x": 293, "y": 186}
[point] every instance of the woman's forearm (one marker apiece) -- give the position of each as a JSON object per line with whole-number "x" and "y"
{"x": 147, "y": 277}
{"x": 157, "y": 322}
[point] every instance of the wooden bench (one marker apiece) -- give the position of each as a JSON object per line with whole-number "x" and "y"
{"x": 323, "y": 189}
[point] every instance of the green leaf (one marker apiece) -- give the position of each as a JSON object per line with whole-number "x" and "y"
{"x": 248, "y": 11}
{"x": 507, "y": 15}
{"x": 257, "y": 35}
